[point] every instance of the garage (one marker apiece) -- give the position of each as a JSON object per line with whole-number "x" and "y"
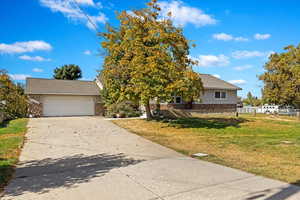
{"x": 52, "y": 97}
{"x": 68, "y": 106}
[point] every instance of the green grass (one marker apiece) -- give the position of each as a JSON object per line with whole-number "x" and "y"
{"x": 262, "y": 145}
{"x": 11, "y": 140}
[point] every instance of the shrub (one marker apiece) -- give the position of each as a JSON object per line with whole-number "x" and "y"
{"x": 123, "y": 109}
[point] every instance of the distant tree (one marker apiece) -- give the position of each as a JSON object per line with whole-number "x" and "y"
{"x": 147, "y": 59}
{"x": 257, "y": 102}
{"x": 68, "y": 72}
{"x": 252, "y": 100}
{"x": 13, "y": 102}
{"x": 282, "y": 78}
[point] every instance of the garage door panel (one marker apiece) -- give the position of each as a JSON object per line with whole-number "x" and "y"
{"x": 68, "y": 105}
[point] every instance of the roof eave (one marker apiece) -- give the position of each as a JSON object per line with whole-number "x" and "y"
{"x": 219, "y": 88}
{"x": 73, "y": 94}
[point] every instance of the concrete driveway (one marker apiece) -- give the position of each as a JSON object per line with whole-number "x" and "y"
{"x": 88, "y": 158}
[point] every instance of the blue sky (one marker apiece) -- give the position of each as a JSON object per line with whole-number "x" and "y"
{"x": 233, "y": 37}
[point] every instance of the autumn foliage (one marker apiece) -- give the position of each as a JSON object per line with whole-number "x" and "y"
{"x": 282, "y": 78}
{"x": 147, "y": 58}
{"x": 13, "y": 101}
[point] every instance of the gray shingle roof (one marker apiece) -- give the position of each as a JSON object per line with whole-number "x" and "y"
{"x": 66, "y": 87}
{"x": 211, "y": 82}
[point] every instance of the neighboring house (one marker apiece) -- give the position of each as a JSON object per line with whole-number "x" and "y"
{"x": 51, "y": 97}
{"x": 218, "y": 96}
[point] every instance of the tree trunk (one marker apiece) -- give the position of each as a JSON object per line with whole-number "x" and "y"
{"x": 148, "y": 110}
{"x": 158, "y": 106}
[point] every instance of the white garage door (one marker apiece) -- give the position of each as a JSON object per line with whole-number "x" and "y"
{"x": 68, "y": 105}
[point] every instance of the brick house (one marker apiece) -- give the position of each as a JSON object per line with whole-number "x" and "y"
{"x": 51, "y": 97}
{"x": 218, "y": 96}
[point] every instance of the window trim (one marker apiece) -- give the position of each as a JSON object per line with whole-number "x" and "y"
{"x": 220, "y": 95}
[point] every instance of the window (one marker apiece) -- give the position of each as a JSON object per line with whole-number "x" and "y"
{"x": 177, "y": 99}
{"x": 223, "y": 95}
{"x": 220, "y": 95}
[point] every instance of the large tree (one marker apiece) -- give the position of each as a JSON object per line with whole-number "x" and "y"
{"x": 68, "y": 72}
{"x": 282, "y": 78}
{"x": 13, "y": 102}
{"x": 147, "y": 58}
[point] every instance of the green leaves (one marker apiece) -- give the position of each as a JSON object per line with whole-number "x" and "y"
{"x": 147, "y": 58}
{"x": 13, "y": 101}
{"x": 282, "y": 78}
{"x": 68, "y": 72}
{"x": 252, "y": 100}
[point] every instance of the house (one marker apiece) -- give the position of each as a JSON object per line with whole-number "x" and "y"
{"x": 218, "y": 96}
{"x": 51, "y": 97}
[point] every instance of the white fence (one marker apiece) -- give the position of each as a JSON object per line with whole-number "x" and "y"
{"x": 248, "y": 109}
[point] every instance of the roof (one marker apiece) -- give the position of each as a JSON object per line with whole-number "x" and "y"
{"x": 65, "y": 87}
{"x": 211, "y": 82}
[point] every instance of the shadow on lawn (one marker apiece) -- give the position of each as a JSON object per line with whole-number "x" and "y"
{"x": 211, "y": 123}
{"x": 40, "y": 176}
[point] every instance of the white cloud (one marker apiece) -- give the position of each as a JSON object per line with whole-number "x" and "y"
{"x": 86, "y": 2}
{"x": 19, "y": 77}
{"x": 182, "y": 15}
{"x": 101, "y": 18}
{"x": 241, "y": 39}
{"x": 262, "y": 36}
{"x": 33, "y": 58}
{"x": 212, "y": 60}
{"x": 228, "y": 37}
{"x": 222, "y": 36}
{"x": 238, "y": 82}
{"x": 249, "y": 54}
{"x": 72, "y": 12}
{"x": 243, "y": 67}
{"x": 22, "y": 47}
{"x": 217, "y": 75}
{"x": 37, "y": 70}
{"x": 87, "y": 52}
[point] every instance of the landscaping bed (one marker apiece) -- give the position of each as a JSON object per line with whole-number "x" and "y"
{"x": 260, "y": 145}
{"x": 12, "y": 136}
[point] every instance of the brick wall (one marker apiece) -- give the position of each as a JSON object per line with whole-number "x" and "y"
{"x": 202, "y": 108}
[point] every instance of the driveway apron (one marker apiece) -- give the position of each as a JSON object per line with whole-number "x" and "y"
{"x": 89, "y": 158}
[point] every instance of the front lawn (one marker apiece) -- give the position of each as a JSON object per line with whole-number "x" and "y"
{"x": 11, "y": 140}
{"x": 262, "y": 145}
